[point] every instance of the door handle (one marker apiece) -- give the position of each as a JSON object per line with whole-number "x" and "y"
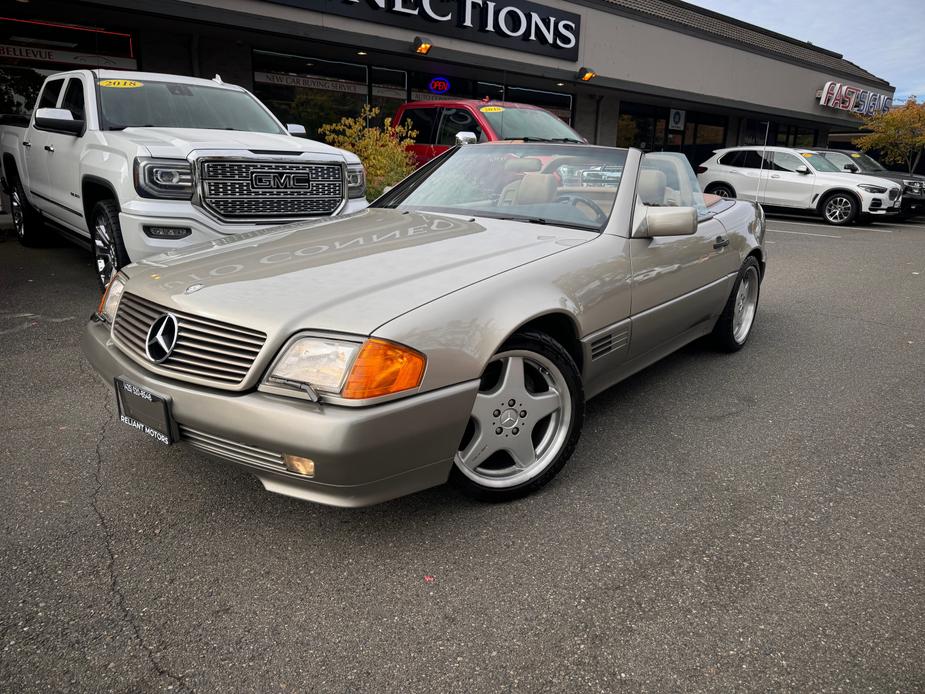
{"x": 720, "y": 243}
{"x": 49, "y": 148}
{"x": 26, "y": 143}
{"x": 775, "y": 175}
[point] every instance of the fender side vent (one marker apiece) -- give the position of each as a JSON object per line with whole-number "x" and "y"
{"x": 605, "y": 344}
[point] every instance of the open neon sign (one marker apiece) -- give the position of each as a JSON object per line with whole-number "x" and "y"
{"x": 438, "y": 85}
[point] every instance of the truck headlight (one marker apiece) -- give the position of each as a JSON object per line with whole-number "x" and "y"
{"x": 356, "y": 181}
{"x": 164, "y": 178}
{"x": 354, "y": 370}
{"x": 109, "y": 303}
{"x": 878, "y": 190}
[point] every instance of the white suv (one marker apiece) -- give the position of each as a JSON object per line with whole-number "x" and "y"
{"x": 798, "y": 179}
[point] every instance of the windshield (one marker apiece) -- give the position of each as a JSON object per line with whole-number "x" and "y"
{"x": 527, "y": 123}
{"x": 566, "y": 185}
{"x": 859, "y": 159}
{"x": 819, "y": 162}
{"x": 131, "y": 103}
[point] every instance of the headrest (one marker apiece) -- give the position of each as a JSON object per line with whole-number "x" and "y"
{"x": 523, "y": 165}
{"x": 536, "y": 188}
{"x": 652, "y": 185}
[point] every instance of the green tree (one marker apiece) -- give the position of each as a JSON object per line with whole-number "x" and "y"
{"x": 383, "y": 150}
{"x": 899, "y": 134}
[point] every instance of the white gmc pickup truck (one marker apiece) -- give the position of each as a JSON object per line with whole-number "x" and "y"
{"x": 133, "y": 164}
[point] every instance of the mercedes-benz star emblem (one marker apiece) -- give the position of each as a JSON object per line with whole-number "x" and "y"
{"x": 162, "y": 337}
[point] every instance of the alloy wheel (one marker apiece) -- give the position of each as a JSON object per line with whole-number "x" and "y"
{"x": 104, "y": 252}
{"x": 838, "y": 209}
{"x": 18, "y": 213}
{"x": 746, "y": 305}
{"x": 519, "y": 423}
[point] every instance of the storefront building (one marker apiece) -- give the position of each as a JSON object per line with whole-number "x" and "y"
{"x": 667, "y": 75}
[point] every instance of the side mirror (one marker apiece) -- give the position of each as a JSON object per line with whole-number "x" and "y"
{"x": 59, "y": 120}
{"x": 294, "y": 129}
{"x": 669, "y": 221}
{"x": 851, "y": 167}
{"x": 802, "y": 169}
{"x": 466, "y": 138}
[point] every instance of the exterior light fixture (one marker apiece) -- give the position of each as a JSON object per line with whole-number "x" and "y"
{"x": 361, "y": 52}
{"x": 586, "y": 74}
{"x": 421, "y": 45}
{"x": 560, "y": 84}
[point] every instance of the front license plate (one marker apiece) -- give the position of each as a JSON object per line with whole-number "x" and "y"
{"x": 145, "y": 411}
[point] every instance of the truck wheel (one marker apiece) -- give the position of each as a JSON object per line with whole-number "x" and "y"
{"x": 30, "y": 229}
{"x": 109, "y": 253}
{"x": 839, "y": 209}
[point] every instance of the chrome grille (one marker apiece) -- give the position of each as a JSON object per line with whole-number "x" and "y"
{"x": 232, "y": 450}
{"x": 206, "y": 349}
{"x": 267, "y": 190}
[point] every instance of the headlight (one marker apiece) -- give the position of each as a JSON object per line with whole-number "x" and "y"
{"x": 872, "y": 189}
{"x": 356, "y": 181}
{"x": 164, "y": 178}
{"x": 109, "y": 303}
{"x": 351, "y": 370}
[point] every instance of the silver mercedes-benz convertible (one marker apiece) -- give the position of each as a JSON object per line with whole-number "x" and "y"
{"x": 452, "y": 331}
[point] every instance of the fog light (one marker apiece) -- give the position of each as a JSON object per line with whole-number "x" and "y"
{"x": 170, "y": 233}
{"x": 302, "y": 466}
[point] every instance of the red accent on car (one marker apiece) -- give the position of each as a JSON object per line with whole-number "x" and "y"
{"x": 701, "y": 169}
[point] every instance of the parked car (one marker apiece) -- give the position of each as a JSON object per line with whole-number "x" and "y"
{"x": 136, "y": 163}
{"x": 798, "y": 179}
{"x": 438, "y": 122}
{"x": 860, "y": 163}
{"x": 452, "y": 330}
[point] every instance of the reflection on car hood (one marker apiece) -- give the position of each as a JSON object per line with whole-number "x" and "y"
{"x": 180, "y": 142}
{"x": 348, "y": 274}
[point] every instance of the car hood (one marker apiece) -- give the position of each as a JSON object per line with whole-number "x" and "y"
{"x": 181, "y": 142}
{"x": 841, "y": 178}
{"x": 347, "y": 274}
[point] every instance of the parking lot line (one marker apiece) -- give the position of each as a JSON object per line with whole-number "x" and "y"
{"x": 804, "y": 233}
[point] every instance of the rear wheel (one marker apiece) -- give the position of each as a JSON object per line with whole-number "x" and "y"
{"x": 723, "y": 190}
{"x": 525, "y": 422}
{"x": 109, "y": 254}
{"x": 738, "y": 317}
{"x": 30, "y": 229}
{"x": 840, "y": 209}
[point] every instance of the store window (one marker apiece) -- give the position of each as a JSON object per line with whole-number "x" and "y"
{"x": 32, "y": 50}
{"x": 309, "y": 91}
{"x": 646, "y": 127}
{"x": 780, "y": 134}
{"x": 389, "y": 91}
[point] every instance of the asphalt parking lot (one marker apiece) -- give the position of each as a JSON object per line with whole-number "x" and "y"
{"x": 729, "y": 522}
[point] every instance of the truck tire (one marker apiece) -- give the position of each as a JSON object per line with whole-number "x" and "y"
{"x": 30, "y": 228}
{"x": 109, "y": 254}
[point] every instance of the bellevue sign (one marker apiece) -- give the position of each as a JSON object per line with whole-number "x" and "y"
{"x": 520, "y": 25}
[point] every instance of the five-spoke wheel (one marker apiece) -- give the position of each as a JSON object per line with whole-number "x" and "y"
{"x": 525, "y": 420}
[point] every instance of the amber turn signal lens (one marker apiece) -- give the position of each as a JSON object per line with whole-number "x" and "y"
{"x": 300, "y": 465}
{"x": 382, "y": 368}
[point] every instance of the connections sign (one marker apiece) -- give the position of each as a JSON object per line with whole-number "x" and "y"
{"x": 516, "y": 24}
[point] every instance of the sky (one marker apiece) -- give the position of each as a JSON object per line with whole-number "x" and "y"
{"x": 885, "y": 38}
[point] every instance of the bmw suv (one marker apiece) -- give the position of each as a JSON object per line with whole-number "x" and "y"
{"x": 798, "y": 179}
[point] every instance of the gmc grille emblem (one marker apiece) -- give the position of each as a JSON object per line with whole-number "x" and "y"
{"x": 280, "y": 181}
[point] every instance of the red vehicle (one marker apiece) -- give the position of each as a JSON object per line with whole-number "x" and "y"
{"x": 437, "y": 123}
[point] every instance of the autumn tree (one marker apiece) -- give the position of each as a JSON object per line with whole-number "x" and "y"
{"x": 899, "y": 134}
{"x": 383, "y": 150}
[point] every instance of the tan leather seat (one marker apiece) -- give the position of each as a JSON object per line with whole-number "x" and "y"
{"x": 536, "y": 189}
{"x": 652, "y": 187}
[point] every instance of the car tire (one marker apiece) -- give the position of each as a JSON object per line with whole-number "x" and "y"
{"x": 839, "y": 209}
{"x": 109, "y": 254}
{"x": 735, "y": 323}
{"x": 27, "y": 221}
{"x": 723, "y": 190}
{"x": 511, "y": 450}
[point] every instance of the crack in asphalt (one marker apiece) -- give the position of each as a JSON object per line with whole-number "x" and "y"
{"x": 114, "y": 587}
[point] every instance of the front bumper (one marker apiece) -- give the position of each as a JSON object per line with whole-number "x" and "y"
{"x": 135, "y": 215}
{"x": 363, "y": 455}
{"x": 879, "y": 204}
